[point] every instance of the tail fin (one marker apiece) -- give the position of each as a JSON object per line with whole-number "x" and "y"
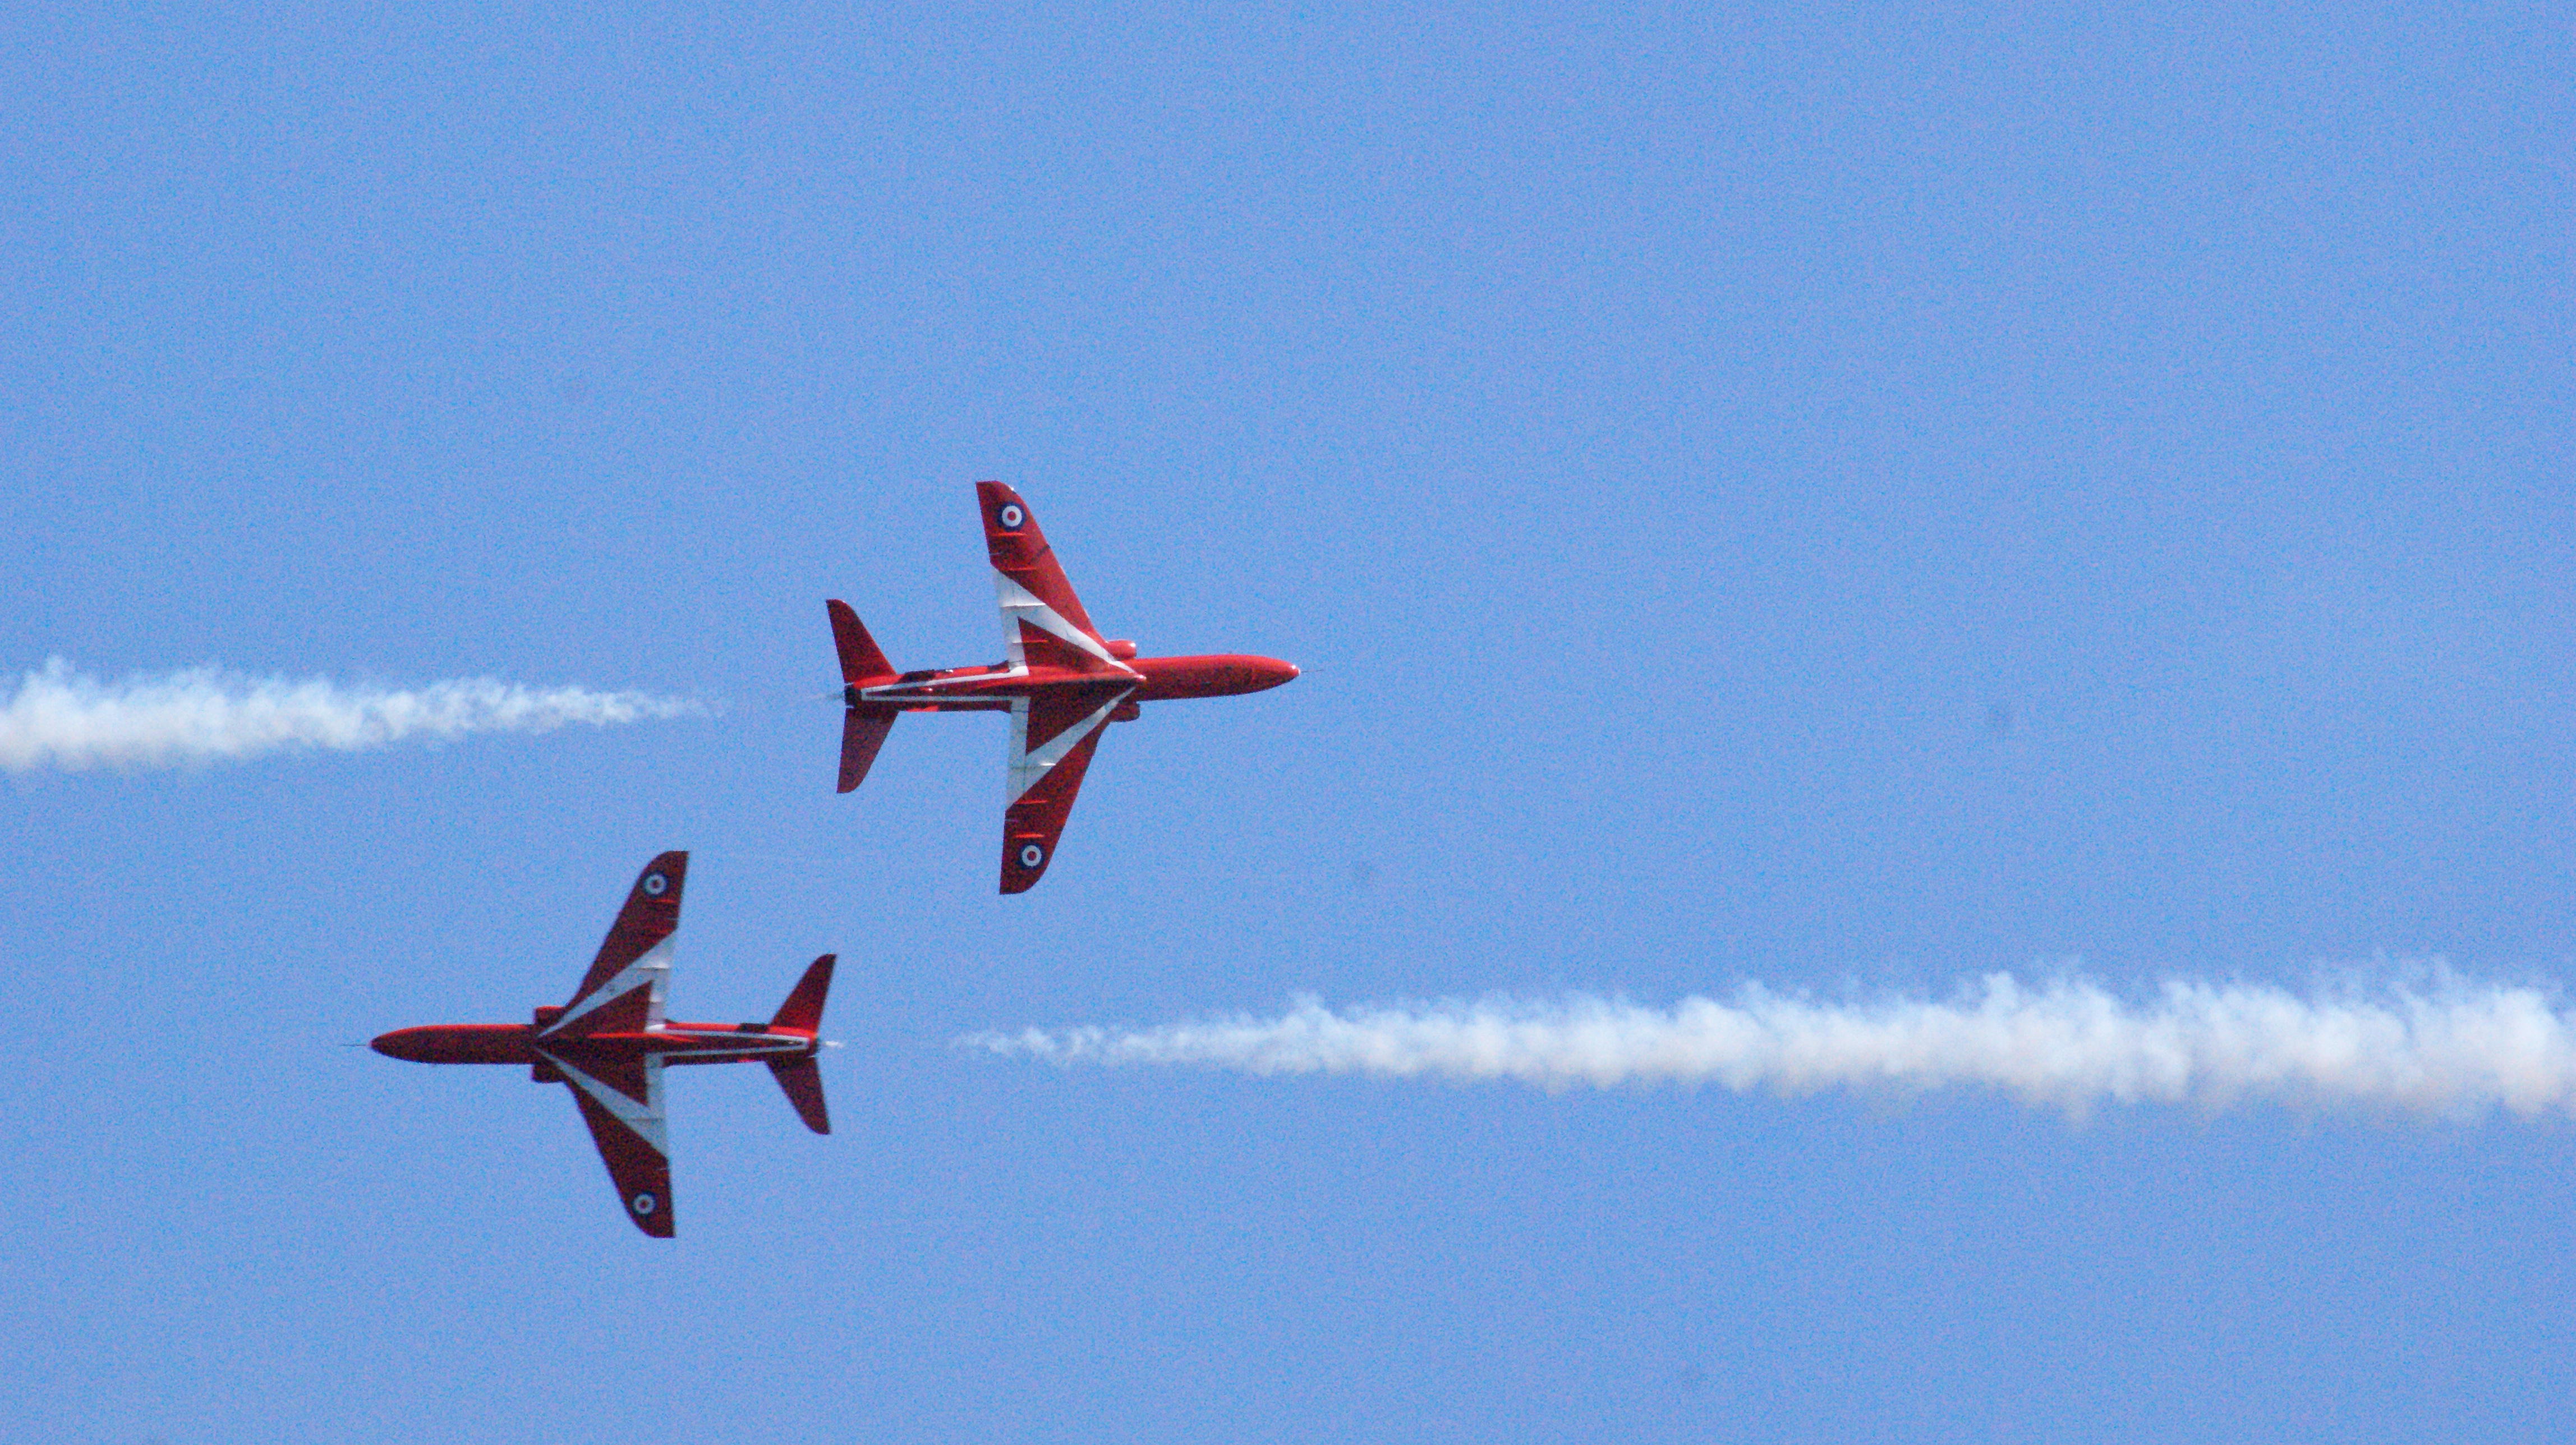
{"x": 798, "y": 1079}
{"x": 861, "y": 661}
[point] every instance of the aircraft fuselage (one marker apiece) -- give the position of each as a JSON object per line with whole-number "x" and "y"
{"x": 609, "y": 1044}
{"x": 1145, "y": 679}
{"x": 673, "y": 1043}
{"x": 1062, "y": 682}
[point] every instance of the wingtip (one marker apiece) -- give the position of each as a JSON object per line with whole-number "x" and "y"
{"x": 662, "y": 879}
{"x": 1010, "y": 525}
{"x": 1024, "y": 862}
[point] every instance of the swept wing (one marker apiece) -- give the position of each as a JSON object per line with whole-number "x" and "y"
{"x": 621, "y": 1101}
{"x": 1052, "y": 738}
{"x": 1043, "y": 623}
{"x": 624, "y": 989}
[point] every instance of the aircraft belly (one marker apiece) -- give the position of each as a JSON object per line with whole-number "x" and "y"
{"x": 736, "y": 1054}
{"x": 728, "y": 1047}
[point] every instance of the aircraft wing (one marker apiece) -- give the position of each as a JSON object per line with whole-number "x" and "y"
{"x": 623, "y": 990}
{"x": 621, "y": 1101}
{"x": 1052, "y": 738}
{"x": 1043, "y": 623}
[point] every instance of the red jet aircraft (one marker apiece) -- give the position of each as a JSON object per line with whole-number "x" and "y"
{"x": 610, "y": 1043}
{"x": 1063, "y": 684}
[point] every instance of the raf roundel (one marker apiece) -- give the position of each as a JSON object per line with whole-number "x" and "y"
{"x": 656, "y": 885}
{"x": 1032, "y": 855}
{"x": 1012, "y": 516}
{"x": 645, "y": 1204}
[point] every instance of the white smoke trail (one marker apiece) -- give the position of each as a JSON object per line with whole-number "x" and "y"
{"x": 57, "y": 718}
{"x": 2451, "y": 1048}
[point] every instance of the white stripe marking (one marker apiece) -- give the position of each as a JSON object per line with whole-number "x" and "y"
{"x": 651, "y": 970}
{"x": 645, "y": 1119}
{"x": 1020, "y": 605}
{"x": 1028, "y": 768}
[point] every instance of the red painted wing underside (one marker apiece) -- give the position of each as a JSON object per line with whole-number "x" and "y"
{"x": 642, "y": 1175}
{"x": 1067, "y": 706}
{"x": 1020, "y": 552}
{"x": 1038, "y": 818}
{"x": 651, "y": 914}
{"x": 628, "y": 1013}
{"x": 1041, "y": 648}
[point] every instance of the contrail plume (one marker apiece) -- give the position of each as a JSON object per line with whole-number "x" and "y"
{"x": 57, "y": 718}
{"x": 2449, "y": 1048}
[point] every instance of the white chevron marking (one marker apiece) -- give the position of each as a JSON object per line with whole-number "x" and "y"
{"x": 1020, "y": 605}
{"x": 644, "y": 1118}
{"x": 1027, "y": 768}
{"x": 652, "y": 970}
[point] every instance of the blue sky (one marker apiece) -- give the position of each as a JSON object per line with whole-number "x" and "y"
{"x": 1845, "y": 498}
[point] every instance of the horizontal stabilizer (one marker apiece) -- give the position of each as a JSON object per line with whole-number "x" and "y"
{"x": 803, "y": 1010}
{"x": 863, "y": 731}
{"x": 802, "y": 1083}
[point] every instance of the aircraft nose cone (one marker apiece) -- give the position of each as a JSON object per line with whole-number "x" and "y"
{"x": 1270, "y": 672}
{"x": 400, "y": 1044}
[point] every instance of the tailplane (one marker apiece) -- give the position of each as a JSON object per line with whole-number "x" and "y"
{"x": 864, "y": 727}
{"x": 803, "y": 1010}
{"x": 798, "y": 1079}
{"x": 863, "y": 731}
{"x": 803, "y": 1085}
